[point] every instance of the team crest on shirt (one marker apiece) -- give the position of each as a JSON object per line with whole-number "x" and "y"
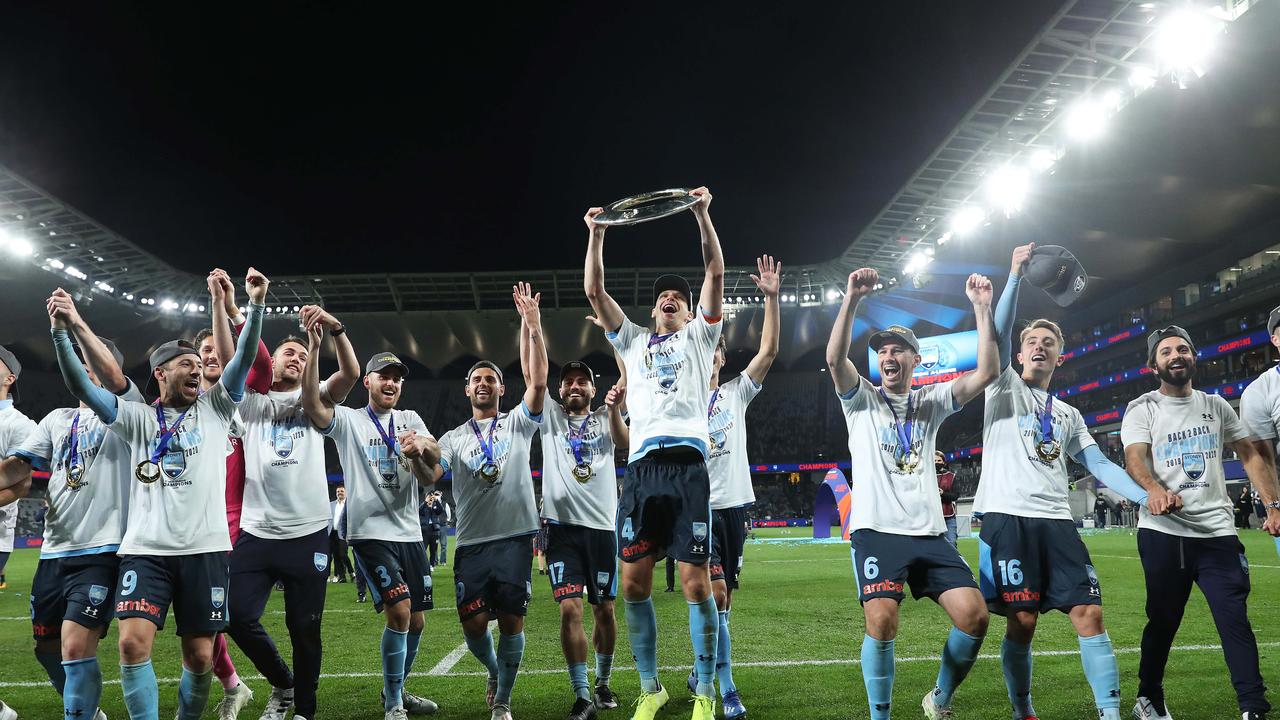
{"x": 282, "y": 443}
{"x": 699, "y": 531}
{"x": 320, "y": 560}
{"x": 174, "y": 464}
{"x": 602, "y": 580}
{"x": 1193, "y": 464}
{"x": 217, "y": 595}
{"x": 97, "y": 593}
{"x": 929, "y": 356}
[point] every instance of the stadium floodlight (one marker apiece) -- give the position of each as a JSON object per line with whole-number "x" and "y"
{"x": 104, "y": 286}
{"x": 1086, "y": 120}
{"x": 296, "y": 308}
{"x": 1042, "y": 159}
{"x": 918, "y": 262}
{"x": 1007, "y": 187}
{"x": 1185, "y": 40}
{"x": 54, "y": 263}
{"x": 1142, "y": 78}
{"x": 967, "y": 219}
{"x": 168, "y": 304}
{"x": 75, "y": 273}
{"x": 833, "y": 294}
{"x": 128, "y": 296}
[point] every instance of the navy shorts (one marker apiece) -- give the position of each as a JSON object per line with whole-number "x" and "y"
{"x": 80, "y": 589}
{"x": 494, "y": 577}
{"x": 885, "y": 563}
{"x": 397, "y": 571}
{"x": 196, "y": 586}
{"x": 1034, "y": 564}
{"x": 665, "y": 508}
{"x": 581, "y": 561}
{"x": 728, "y": 536}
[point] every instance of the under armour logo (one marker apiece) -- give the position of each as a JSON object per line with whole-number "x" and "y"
{"x": 1207, "y": 416}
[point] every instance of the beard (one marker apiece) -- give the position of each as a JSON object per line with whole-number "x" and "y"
{"x": 1183, "y": 377}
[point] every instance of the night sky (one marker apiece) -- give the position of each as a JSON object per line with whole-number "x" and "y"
{"x": 310, "y": 138}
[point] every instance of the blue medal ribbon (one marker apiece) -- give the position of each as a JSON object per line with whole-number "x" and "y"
{"x": 1046, "y": 420}
{"x": 388, "y": 435}
{"x": 73, "y": 454}
{"x": 166, "y": 433}
{"x": 578, "y": 438}
{"x": 903, "y": 428}
{"x": 486, "y": 449}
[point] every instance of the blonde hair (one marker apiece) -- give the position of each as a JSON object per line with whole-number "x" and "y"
{"x": 1049, "y": 325}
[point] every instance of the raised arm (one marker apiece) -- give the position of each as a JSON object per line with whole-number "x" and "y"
{"x": 533, "y": 363}
{"x": 1263, "y": 478}
{"x": 615, "y": 400}
{"x": 340, "y": 383}
{"x": 104, "y": 403}
{"x": 606, "y": 308}
{"x": 711, "y": 298}
{"x": 319, "y": 410}
{"x": 843, "y": 373}
{"x": 1007, "y": 308}
{"x": 236, "y": 370}
{"x": 770, "y": 282}
{"x": 95, "y": 352}
{"x": 971, "y": 384}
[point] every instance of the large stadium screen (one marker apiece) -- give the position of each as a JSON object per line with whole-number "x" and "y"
{"x": 942, "y": 358}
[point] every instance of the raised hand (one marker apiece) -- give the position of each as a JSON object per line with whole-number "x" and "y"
{"x": 315, "y": 337}
{"x": 62, "y": 310}
{"x": 1021, "y": 255}
{"x": 616, "y": 396}
{"x": 978, "y": 289}
{"x": 704, "y": 199}
{"x": 228, "y": 291}
{"x": 590, "y": 220}
{"x": 315, "y": 315}
{"x": 528, "y": 303}
{"x": 770, "y": 278}
{"x": 215, "y": 289}
{"x": 255, "y": 286}
{"x": 862, "y": 282}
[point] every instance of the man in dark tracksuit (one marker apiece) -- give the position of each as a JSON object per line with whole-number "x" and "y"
{"x": 1174, "y": 438}
{"x": 431, "y": 517}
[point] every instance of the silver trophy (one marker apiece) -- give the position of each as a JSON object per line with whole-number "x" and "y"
{"x": 646, "y": 206}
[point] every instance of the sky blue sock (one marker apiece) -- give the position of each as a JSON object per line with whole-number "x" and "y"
{"x": 724, "y": 666}
{"x": 642, "y": 628}
{"x": 393, "y": 651}
{"x": 1015, "y": 660}
{"x": 52, "y": 663}
{"x": 703, "y": 631}
{"x": 877, "y": 675}
{"x": 1100, "y": 670}
{"x": 193, "y": 693}
{"x": 958, "y": 656}
{"x": 510, "y": 652}
{"x": 604, "y": 668}
{"x": 83, "y": 690}
{"x": 578, "y": 679}
{"x": 141, "y": 694}
{"x": 482, "y": 647}
{"x": 412, "y": 640}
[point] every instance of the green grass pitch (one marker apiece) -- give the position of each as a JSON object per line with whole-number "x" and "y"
{"x": 796, "y": 635}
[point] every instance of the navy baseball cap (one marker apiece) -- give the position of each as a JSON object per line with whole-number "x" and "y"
{"x": 673, "y": 282}
{"x": 579, "y": 366}
{"x": 1055, "y": 270}
{"x": 384, "y": 360}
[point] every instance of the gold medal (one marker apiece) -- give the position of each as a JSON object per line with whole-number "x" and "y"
{"x": 909, "y": 461}
{"x": 147, "y": 471}
{"x": 75, "y": 475}
{"x": 582, "y": 472}
{"x": 490, "y": 471}
{"x": 1049, "y": 450}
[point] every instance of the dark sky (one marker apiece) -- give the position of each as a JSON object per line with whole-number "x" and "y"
{"x": 314, "y": 138}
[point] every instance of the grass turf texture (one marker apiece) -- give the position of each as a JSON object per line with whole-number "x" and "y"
{"x": 796, "y": 634}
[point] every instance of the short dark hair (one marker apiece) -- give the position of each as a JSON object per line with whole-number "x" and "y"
{"x": 723, "y": 345}
{"x": 485, "y": 364}
{"x": 291, "y": 339}
{"x": 200, "y": 336}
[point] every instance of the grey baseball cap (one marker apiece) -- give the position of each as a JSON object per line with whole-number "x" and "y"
{"x": 171, "y": 350}
{"x": 895, "y": 332}
{"x": 1055, "y": 270}
{"x": 384, "y": 360}
{"x": 15, "y": 368}
{"x": 1153, "y": 340}
{"x": 1273, "y": 320}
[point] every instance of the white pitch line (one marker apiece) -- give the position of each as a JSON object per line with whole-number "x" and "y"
{"x": 685, "y": 668}
{"x": 448, "y": 661}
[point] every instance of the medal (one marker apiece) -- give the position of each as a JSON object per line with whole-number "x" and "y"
{"x": 906, "y": 457}
{"x": 1048, "y": 448}
{"x": 388, "y": 438}
{"x": 711, "y": 408}
{"x": 649, "y": 352}
{"x": 74, "y": 469}
{"x": 577, "y": 438}
{"x": 148, "y": 471}
{"x": 582, "y": 472}
{"x": 489, "y": 470}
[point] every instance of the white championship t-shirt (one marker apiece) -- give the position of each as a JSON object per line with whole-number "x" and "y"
{"x": 1186, "y": 437}
{"x": 1260, "y": 405}
{"x": 727, "y": 466}
{"x": 884, "y": 497}
{"x": 505, "y": 507}
{"x": 286, "y": 491}
{"x": 382, "y": 494}
{"x": 184, "y": 512}
{"x": 1015, "y": 479}
{"x": 592, "y": 503}
{"x": 667, "y": 381}
{"x": 88, "y": 514}
{"x": 14, "y": 428}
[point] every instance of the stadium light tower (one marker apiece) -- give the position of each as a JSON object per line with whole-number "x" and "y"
{"x": 1185, "y": 40}
{"x": 967, "y": 219}
{"x": 1007, "y": 188}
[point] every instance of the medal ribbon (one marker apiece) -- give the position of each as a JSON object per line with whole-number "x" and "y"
{"x": 486, "y": 449}
{"x": 903, "y": 428}
{"x": 388, "y": 435}
{"x": 1046, "y": 421}
{"x": 576, "y": 439}
{"x": 73, "y": 455}
{"x": 166, "y": 434}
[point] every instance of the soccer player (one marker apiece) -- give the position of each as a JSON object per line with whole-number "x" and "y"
{"x": 71, "y": 594}
{"x": 284, "y": 527}
{"x": 579, "y": 502}
{"x": 14, "y": 428}
{"x": 730, "y": 473}
{"x": 898, "y": 532}
{"x": 211, "y": 346}
{"x": 665, "y": 503}
{"x": 1173, "y": 441}
{"x": 385, "y": 454}
{"x": 1031, "y": 558}
{"x": 497, "y": 515}
{"x": 1260, "y": 413}
{"x": 176, "y": 542}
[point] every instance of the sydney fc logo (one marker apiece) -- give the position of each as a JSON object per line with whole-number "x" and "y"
{"x": 174, "y": 464}
{"x": 1193, "y": 465}
{"x": 217, "y": 595}
{"x": 320, "y": 560}
{"x": 282, "y": 443}
{"x": 699, "y": 531}
{"x": 929, "y": 357}
{"x": 97, "y": 593}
